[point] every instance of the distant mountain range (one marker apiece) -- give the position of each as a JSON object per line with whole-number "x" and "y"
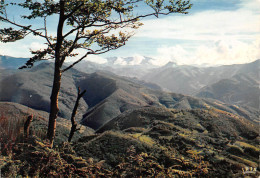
{"x": 107, "y": 96}
{"x": 191, "y": 80}
{"x": 129, "y": 66}
{"x": 241, "y": 89}
{"x": 8, "y": 62}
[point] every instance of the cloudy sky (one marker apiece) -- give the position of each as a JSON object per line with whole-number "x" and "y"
{"x": 214, "y": 32}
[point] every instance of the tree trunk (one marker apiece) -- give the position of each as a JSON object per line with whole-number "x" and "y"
{"x": 72, "y": 131}
{"x": 54, "y": 109}
{"x": 27, "y": 125}
{"x": 74, "y": 112}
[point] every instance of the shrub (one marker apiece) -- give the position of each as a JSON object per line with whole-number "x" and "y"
{"x": 251, "y": 151}
{"x": 235, "y": 150}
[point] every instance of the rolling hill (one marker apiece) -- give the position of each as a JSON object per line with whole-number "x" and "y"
{"x": 107, "y": 95}
{"x": 111, "y": 95}
{"x": 32, "y": 88}
{"x": 193, "y": 142}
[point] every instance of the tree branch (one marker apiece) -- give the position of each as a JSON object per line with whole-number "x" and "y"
{"x": 70, "y": 66}
{"x": 73, "y": 11}
{"x": 71, "y": 48}
{"x": 27, "y": 28}
{"x": 46, "y": 32}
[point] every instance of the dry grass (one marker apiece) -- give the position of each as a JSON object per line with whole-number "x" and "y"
{"x": 246, "y": 145}
{"x": 11, "y": 129}
{"x": 144, "y": 138}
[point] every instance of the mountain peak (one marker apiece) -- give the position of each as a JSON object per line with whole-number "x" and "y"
{"x": 170, "y": 65}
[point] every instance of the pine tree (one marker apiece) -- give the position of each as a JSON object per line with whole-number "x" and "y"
{"x": 97, "y": 26}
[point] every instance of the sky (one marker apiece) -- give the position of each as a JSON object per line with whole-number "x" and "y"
{"x": 215, "y": 32}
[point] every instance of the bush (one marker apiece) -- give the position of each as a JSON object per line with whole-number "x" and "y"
{"x": 235, "y": 150}
{"x": 251, "y": 151}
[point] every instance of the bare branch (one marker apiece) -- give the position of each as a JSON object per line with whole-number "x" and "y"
{"x": 46, "y": 32}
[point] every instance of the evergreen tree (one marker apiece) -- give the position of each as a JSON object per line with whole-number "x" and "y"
{"x": 94, "y": 25}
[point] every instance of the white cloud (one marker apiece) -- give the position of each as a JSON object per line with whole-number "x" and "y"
{"x": 252, "y": 5}
{"x": 96, "y": 59}
{"x": 21, "y": 48}
{"x": 219, "y": 37}
{"x": 120, "y": 61}
{"x": 220, "y": 52}
{"x": 137, "y": 59}
{"x": 228, "y": 52}
{"x": 173, "y": 53}
{"x": 18, "y": 50}
{"x": 37, "y": 46}
{"x": 206, "y": 25}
